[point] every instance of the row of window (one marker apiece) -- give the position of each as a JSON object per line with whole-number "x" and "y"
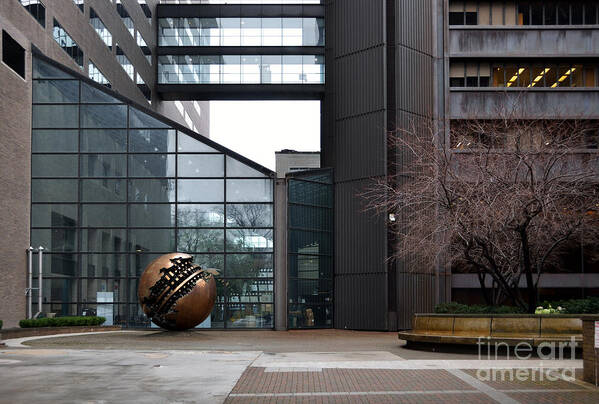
{"x": 131, "y": 265}
{"x": 241, "y": 69}
{"x": 523, "y": 74}
{"x": 581, "y": 134}
{"x": 193, "y": 31}
{"x": 251, "y": 215}
{"x": 499, "y": 12}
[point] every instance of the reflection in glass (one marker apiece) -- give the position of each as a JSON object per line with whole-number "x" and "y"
{"x": 55, "y": 116}
{"x": 250, "y": 290}
{"x": 56, "y": 91}
{"x": 151, "y": 165}
{"x": 54, "y": 190}
{"x": 151, "y": 190}
{"x": 103, "y": 165}
{"x": 54, "y": 165}
{"x": 53, "y": 215}
{"x": 250, "y": 316}
{"x": 103, "y": 140}
{"x": 187, "y": 144}
{"x": 142, "y": 240}
{"x": 103, "y": 116}
{"x": 103, "y": 266}
{"x": 236, "y": 168}
{"x": 98, "y": 215}
{"x": 249, "y": 215}
{"x": 201, "y": 165}
{"x": 103, "y": 240}
{"x": 249, "y": 190}
{"x": 249, "y": 265}
{"x": 103, "y": 190}
{"x": 196, "y": 215}
{"x": 200, "y": 190}
{"x": 250, "y": 240}
{"x": 56, "y": 239}
{"x": 152, "y": 140}
{"x": 53, "y": 140}
{"x": 138, "y": 119}
{"x": 152, "y": 215}
{"x": 200, "y": 240}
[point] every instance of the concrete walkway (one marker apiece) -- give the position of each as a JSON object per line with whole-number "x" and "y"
{"x": 202, "y": 367}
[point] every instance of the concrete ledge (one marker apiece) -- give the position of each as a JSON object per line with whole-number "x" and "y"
{"x": 510, "y": 329}
{"x": 12, "y": 333}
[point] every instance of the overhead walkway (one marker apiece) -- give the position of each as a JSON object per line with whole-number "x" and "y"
{"x": 230, "y": 52}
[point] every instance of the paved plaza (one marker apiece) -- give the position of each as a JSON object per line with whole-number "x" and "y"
{"x": 326, "y": 366}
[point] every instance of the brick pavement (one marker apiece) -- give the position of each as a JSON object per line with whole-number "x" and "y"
{"x": 259, "y": 385}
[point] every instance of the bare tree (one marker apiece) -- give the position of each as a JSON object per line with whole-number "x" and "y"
{"x": 498, "y": 197}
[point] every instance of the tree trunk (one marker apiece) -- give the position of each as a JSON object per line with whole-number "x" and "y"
{"x": 527, "y": 266}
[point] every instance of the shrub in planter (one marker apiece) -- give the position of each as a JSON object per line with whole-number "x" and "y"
{"x": 62, "y": 321}
{"x": 0, "y": 324}
{"x": 457, "y": 308}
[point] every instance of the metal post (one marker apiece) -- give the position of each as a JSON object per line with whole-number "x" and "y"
{"x": 29, "y": 290}
{"x": 39, "y": 286}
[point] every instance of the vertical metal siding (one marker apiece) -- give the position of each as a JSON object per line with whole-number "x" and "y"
{"x": 354, "y": 141}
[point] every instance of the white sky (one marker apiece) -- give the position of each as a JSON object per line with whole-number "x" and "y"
{"x": 256, "y": 129}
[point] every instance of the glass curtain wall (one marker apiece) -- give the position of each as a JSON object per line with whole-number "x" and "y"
{"x": 113, "y": 188}
{"x": 310, "y": 250}
{"x": 193, "y": 31}
{"x": 241, "y": 69}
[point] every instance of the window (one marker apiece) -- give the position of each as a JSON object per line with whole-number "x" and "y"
{"x": 67, "y": 43}
{"x": 100, "y": 28}
{"x": 36, "y": 9}
{"x": 126, "y": 18}
{"x": 108, "y": 198}
{"x": 125, "y": 63}
{"x": 13, "y": 54}
{"x": 534, "y": 12}
{"x": 146, "y": 9}
{"x": 96, "y": 75}
{"x": 523, "y": 74}
{"x": 79, "y": 4}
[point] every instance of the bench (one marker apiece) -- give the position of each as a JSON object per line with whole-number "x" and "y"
{"x": 511, "y": 329}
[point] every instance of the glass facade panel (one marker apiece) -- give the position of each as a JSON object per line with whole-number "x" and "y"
{"x": 249, "y": 190}
{"x": 201, "y": 165}
{"x": 103, "y": 190}
{"x": 125, "y": 206}
{"x": 152, "y": 215}
{"x": 310, "y": 250}
{"x": 250, "y": 316}
{"x": 52, "y": 190}
{"x": 103, "y": 165}
{"x": 52, "y": 140}
{"x": 249, "y": 215}
{"x": 152, "y": 165}
{"x": 241, "y": 69}
{"x": 55, "y": 116}
{"x": 54, "y": 165}
{"x": 56, "y": 92}
{"x": 250, "y": 240}
{"x": 104, "y": 140}
{"x": 151, "y": 190}
{"x": 200, "y": 215}
{"x": 200, "y": 240}
{"x": 103, "y": 240}
{"x": 187, "y": 144}
{"x": 43, "y": 215}
{"x": 200, "y": 191}
{"x": 249, "y": 266}
{"x": 152, "y": 141}
{"x": 98, "y": 215}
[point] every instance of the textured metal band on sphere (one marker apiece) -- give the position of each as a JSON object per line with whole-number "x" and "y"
{"x": 175, "y": 293}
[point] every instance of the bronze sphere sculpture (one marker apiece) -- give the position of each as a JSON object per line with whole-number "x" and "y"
{"x": 175, "y": 293}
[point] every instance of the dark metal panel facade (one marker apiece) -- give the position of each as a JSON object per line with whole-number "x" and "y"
{"x": 354, "y": 132}
{"x": 416, "y": 48}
